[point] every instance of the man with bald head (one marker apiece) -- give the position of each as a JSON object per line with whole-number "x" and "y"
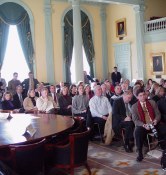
{"x": 100, "y": 107}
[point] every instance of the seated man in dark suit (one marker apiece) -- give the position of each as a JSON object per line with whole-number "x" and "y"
{"x": 121, "y": 118}
{"x": 117, "y": 94}
{"x": 38, "y": 89}
{"x": 162, "y": 108}
{"x": 53, "y": 94}
{"x": 18, "y": 99}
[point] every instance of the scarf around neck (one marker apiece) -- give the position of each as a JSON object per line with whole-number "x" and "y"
{"x": 150, "y": 110}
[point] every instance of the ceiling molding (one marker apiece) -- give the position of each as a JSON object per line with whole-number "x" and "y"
{"x": 97, "y": 2}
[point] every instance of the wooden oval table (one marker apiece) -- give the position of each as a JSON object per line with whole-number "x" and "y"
{"x": 12, "y": 130}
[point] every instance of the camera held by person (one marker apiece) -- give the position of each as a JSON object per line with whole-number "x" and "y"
{"x": 153, "y": 129}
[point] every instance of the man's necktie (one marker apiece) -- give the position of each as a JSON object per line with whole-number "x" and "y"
{"x": 146, "y": 112}
{"x": 128, "y": 113}
{"x": 31, "y": 84}
{"x": 21, "y": 100}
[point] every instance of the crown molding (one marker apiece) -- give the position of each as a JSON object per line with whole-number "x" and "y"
{"x": 98, "y": 2}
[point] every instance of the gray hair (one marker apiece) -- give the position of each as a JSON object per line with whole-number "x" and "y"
{"x": 96, "y": 87}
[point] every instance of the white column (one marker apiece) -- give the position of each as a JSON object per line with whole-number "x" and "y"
{"x": 139, "y": 19}
{"x": 77, "y": 33}
{"x": 104, "y": 42}
{"x": 64, "y": 64}
{"x": 49, "y": 42}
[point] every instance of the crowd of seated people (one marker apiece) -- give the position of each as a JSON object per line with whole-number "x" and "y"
{"x": 95, "y": 102}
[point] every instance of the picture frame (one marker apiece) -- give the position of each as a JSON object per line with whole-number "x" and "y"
{"x": 121, "y": 28}
{"x": 157, "y": 63}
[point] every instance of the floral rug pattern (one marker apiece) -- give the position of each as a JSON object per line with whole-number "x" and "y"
{"x": 113, "y": 160}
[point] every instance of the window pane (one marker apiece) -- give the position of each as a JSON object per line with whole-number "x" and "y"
{"x": 85, "y": 66}
{"x": 14, "y": 60}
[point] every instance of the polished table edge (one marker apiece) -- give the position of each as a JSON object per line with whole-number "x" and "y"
{"x": 37, "y": 139}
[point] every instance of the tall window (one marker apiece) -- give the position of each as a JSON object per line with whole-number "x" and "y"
{"x": 88, "y": 60}
{"x": 85, "y": 66}
{"x": 14, "y": 60}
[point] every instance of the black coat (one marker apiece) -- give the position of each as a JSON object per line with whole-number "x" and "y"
{"x": 115, "y": 77}
{"x": 16, "y": 101}
{"x": 25, "y": 84}
{"x": 118, "y": 111}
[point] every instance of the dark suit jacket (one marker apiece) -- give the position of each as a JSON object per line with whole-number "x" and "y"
{"x": 25, "y": 84}
{"x": 118, "y": 112}
{"x": 136, "y": 115}
{"x": 16, "y": 101}
{"x": 115, "y": 77}
{"x": 162, "y": 108}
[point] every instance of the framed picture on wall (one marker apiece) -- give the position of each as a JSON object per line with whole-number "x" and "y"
{"x": 157, "y": 63}
{"x": 121, "y": 27}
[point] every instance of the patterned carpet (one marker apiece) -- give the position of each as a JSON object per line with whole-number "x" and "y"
{"x": 113, "y": 160}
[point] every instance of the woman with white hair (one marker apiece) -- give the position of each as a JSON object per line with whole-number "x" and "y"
{"x": 45, "y": 103}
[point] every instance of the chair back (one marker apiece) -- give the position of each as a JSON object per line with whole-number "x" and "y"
{"x": 79, "y": 147}
{"x": 28, "y": 159}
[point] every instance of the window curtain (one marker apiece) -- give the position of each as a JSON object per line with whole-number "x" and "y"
{"x": 24, "y": 32}
{"x": 68, "y": 43}
{"x": 4, "y": 30}
{"x": 14, "y": 14}
{"x": 87, "y": 41}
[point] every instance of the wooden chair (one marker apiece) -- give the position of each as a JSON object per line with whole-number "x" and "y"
{"x": 73, "y": 154}
{"x": 28, "y": 159}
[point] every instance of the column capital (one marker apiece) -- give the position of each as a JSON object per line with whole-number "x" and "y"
{"x": 75, "y": 2}
{"x": 103, "y": 12}
{"x": 47, "y": 7}
{"x": 139, "y": 8}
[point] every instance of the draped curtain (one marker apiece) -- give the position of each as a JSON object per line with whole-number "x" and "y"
{"x": 68, "y": 42}
{"x": 87, "y": 41}
{"x": 13, "y": 14}
{"x": 23, "y": 29}
{"x": 4, "y": 30}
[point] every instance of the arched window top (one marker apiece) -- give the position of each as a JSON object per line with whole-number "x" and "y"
{"x": 69, "y": 12}
{"x": 84, "y": 16}
{"x": 12, "y": 13}
{"x": 28, "y": 10}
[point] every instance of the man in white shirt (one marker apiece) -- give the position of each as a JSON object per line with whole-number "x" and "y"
{"x": 100, "y": 107}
